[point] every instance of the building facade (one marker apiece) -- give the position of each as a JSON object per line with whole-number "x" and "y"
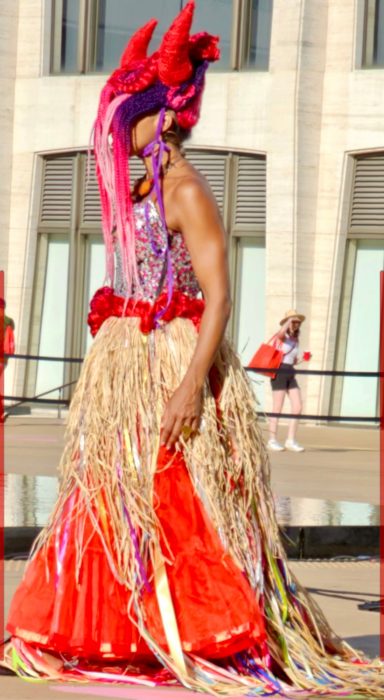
{"x": 291, "y": 139}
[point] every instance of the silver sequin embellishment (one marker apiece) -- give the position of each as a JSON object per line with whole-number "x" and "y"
{"x": 150, "y": 267}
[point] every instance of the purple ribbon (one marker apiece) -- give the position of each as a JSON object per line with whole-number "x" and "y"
{"x": 156, "y": 149}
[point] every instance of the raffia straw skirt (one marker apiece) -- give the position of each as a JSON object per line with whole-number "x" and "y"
{"x": 151, "y": 554}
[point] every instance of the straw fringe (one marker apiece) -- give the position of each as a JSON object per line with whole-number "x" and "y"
{"x": 114, "y": 419}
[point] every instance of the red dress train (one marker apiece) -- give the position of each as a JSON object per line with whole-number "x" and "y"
{"x": 215, "y": 607}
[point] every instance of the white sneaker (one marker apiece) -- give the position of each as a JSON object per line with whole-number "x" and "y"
{"x": 294, "y": 446}
{"x": 272, "y": 444}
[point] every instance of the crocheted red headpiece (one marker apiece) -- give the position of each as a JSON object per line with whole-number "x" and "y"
{"x": 175, "y": 67}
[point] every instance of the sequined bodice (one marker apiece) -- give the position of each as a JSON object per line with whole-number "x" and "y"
{"x": 151, "y": 239}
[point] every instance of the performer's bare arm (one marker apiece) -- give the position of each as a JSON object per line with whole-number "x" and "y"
{"x": 194, "y": 212}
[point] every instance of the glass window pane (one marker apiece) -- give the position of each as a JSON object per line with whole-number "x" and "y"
{"x": 53, "y": 319}
{"x": 359, "y": 396}
{"x": 118, "y": 20}
{"x": 96, "y": 267}
{"x": 215, "y": 17}
{"x": 379, "y": 34}
{"x": 69, "y": 36}
{"x": 249, "y": 306}
{"x": 260, "y": 34}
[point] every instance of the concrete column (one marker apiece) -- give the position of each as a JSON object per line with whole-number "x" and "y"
{"x": 28, "y": 49}
{"x": 308, "y": 126}
{"x": 9, "y": 10}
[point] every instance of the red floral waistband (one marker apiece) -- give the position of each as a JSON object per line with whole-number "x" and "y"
{"x": 106, "y": 303}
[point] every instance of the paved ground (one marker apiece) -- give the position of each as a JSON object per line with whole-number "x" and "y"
{"x": 338, "y": 464}
{"x": 16, "y": 690}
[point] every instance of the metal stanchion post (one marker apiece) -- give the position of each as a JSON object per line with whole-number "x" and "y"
{"x": 59, "y": 406}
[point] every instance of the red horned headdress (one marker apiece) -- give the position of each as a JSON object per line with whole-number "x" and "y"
{"x": 136, "y": 49}
{"x": 174, "y": 65}
{"x": 170, "y": 78}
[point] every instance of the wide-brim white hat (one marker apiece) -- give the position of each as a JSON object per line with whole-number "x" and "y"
{"x": 292, "y": 313}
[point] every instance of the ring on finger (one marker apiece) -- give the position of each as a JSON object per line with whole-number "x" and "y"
{"x": 186, "y": 431}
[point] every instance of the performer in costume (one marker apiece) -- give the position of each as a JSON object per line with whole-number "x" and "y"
{"x": 162, "y": 558}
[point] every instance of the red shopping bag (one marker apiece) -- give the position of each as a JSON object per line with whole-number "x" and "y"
{"x": 9, "y": 341}
{"x": 268, "y": 356}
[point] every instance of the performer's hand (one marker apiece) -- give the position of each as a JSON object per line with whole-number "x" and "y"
{"x": 182, "y": 410}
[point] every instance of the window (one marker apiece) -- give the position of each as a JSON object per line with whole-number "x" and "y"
{"x": 360, "y": 394}
{"x": 70, "y": 263}
{"x": 49, "y": 322}
{"x": 258, "y": 34}
{"x": 250, "y": 295}
{"x": 248, "y": 220}
{"x": 69, "y": 36}
{"x": 373, "y": 41}
{"x": 359, "y": 322}
{"x": 90, "y": 35}
{"x": 54, "y": 254}
{"x": 117, "y": 21}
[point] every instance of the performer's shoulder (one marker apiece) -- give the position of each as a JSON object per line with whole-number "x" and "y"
{"x": 192, "y": 188}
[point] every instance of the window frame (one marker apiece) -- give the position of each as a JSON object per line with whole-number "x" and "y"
{"x": 244, "y": 39}
{"x": 83, "y": 40}
{"x": 353, "y": 236}
{"x": 39, "y": 282}
{"x": 345, "y": 305}
{"x": 345, "y": 309}
{"x": 87, "y": 39}
{"x": 369, "y": 16}
{"x": 237, "y": 240}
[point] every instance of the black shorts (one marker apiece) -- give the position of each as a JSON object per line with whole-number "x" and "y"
{"x": 285, "y": 380}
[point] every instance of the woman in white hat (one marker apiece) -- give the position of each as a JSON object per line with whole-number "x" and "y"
{"x": 287, "y": 340}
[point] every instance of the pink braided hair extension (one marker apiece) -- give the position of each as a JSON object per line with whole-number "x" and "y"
{"x": 112, "y": 170}
{"x": 123, "y": 205}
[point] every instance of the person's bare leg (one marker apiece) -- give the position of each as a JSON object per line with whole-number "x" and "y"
{"x": 296, "y": 409}
{"x": 277, "y": 405}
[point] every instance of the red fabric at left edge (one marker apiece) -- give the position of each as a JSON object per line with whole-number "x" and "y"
{"x": 2, "y": 461}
